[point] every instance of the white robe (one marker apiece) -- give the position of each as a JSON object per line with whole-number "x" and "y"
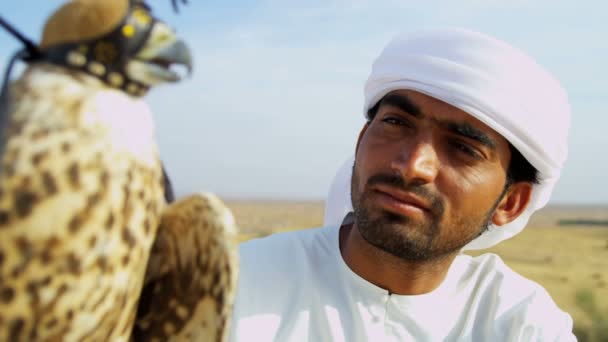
{"x": 296, "y": 287}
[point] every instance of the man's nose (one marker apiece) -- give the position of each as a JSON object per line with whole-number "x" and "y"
{"x": 419, "y": 162}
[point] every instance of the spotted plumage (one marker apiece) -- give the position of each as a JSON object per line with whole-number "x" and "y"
{"x": 188, "y": 273}
{"x": 84, "y": 223}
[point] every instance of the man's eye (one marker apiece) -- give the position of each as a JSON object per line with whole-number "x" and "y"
{"x": 466, "y": 149}
{"x": 395, "y": 121}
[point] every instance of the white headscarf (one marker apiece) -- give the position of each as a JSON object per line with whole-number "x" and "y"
{"x": 492, "y": 81}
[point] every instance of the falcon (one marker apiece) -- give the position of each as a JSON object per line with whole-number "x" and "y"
{"x": 89, "y": 248}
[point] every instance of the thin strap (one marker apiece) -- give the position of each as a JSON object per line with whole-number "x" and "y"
{"x": 27, "y": 54}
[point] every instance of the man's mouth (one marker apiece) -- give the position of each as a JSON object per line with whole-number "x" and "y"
{"x": 401, "y": 202}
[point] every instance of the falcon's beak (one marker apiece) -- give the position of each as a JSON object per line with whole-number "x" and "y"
{"x": 162, "y": 51}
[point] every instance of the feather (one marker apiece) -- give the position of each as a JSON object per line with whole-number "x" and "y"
{"x": 175, "y": 4}
{"x": 191, "y": 275}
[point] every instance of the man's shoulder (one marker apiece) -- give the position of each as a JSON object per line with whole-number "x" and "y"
{"x": 490, "y": 269}
{"x": 273, "y": 268}
{"x": 286, "y": 241}
{"x": 512, "y": 298}
{"x": 289, "y": 251}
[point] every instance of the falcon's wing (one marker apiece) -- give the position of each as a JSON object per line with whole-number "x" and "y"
{"x": 191, "y": 276}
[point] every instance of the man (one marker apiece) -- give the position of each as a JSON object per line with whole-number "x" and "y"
{"x": 465, "y": 138}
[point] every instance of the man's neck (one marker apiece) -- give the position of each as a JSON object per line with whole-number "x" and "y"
{"x": 387, "y": 271}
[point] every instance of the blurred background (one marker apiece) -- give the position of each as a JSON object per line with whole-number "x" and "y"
{"x": 275, "y": 106}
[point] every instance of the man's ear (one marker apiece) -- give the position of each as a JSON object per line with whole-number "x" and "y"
{"x": 361, "y": 134}
{"x": 513, "y": 203}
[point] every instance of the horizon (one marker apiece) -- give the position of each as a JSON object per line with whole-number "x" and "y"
{"x": 550, "y": 205}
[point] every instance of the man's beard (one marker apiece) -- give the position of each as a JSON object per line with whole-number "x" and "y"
{"x": 403, "y": 237}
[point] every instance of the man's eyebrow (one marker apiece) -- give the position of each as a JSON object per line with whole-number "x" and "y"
{"x": 404, "y": 103}
{"x": 468, "y": 131}
{"x": 461, "y": 128}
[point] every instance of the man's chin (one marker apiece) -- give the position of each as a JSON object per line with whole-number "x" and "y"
{"x": 401, "y": 225}
{"x": 397, "y": 238}
{"x": 407, "y": 249}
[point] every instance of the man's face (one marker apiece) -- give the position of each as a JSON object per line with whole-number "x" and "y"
{"x": 427, "y": 177}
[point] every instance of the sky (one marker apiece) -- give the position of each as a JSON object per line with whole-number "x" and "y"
{"x": 275, "y": 102}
